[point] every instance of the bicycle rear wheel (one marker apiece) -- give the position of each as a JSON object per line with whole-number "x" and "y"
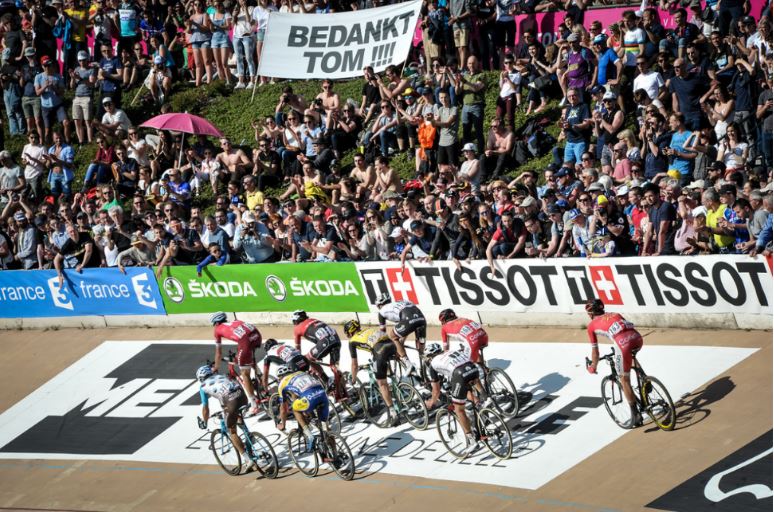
{"x": 373, "y": 405}
{"x": 451, "y": 433}
{"x": 274, "y": 407}
{"x": 413, "y": 405}
{"x": 351, "y": 404}
{"x": 342, "y": 461}
{"x": 334, "y": 420}
{"x": 658, "y": 403}
{"x": 502, "y": 392}
{"x": 306, "y": 461}
{"x": 228, "y": 457}
{"x": 263, "y": 455}
{"x": 495, "y": 433}
{"x": 615, "y": 402}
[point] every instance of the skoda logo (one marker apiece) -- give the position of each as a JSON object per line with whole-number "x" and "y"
{"x": 174, "y": 290}
{"x": 276, "y": 288}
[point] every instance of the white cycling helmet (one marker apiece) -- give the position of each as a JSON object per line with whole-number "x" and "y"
{"x": 204, "y": 372}
{"x": 283, "y": 370}
{"x": 218, "y": 318}
{"x": 433, "y": 349}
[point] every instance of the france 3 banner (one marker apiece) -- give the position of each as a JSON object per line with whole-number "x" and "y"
{"x": 338, "y": 45}
{"x": 667, "y": 284}
{"x": 98, "y": 291}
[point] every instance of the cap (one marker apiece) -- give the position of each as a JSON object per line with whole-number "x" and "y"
{"x": 564, "y": 171}
{"x": 19, "y": 216}
{"x": 609, "y": 96}
{"x": 299, "y": 214}
{"x": 248, "y": 217}
{"x": 562, "y": 203}
{"x": 767, "y": 188}
{"x": 602, "y": 200}
{"x": 596, "y": 186}
{"x": 717, "y": 165}
{"x": 622, "y": 191}
{"x": 396, "y": 232}
{"x": 408, "y": 92}
{"x": 573, "y": 38}
{"x": 45, "y": 60}
{"x": 599, "y": 39}
{"x": 699, "y": 210}
{"x": 575, "y": 213}
{"x": 5, "y": 154}
{"x": 597, "y": 89}
{"x": 107, "y": 99}
{"x": 83, "y": 55}
{"x": 263, "y": 216}
{"x": 695, "y": 184}
{"x": 158, "y": 59}
{"x": 469, "y": 147}
{"x": 748, "y": 20}
{"x": 694, "y": 4}
{"x": 552, "y": 209}
{"x": 416, "y": 224}
{"x": 29, "y": 51}
{"x": 528, "y": 201}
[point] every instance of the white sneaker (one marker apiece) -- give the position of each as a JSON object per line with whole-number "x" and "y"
{"x": 239, "y": 85}
{"x": 247, "y": 466}
{"x": 409, "y": 366}
{"x": 471, "y": 448}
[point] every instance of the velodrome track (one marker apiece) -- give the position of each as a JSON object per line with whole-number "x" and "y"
{"x": 725, "y": 411}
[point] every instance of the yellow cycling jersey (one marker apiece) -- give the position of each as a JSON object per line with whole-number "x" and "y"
{"x": 366, "y": 339}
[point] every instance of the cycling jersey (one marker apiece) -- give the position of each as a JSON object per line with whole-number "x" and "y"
{"x": 229, "y": 394}
{"x": 325, "y": 338}
{"x": 626, "y": 339}
{"x": 443, "y": 365}
{"x": 379, "y": 345}
{"x": 457, "y": 369}
{"x": 407, "y": 317}
{"x": 467, "y": 332}
{"x": 284, "y": 355}
{"x": 393, "y": 310}
{"x": 304, "y": 393}
{"x": 247, "y": 337}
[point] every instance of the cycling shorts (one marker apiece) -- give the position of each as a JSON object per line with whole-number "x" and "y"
{"x": 384, "y": 352}
{"x": 411, "y": 320}
{"x": 235, "y": 402}
{"x": 246, "y": 352}
{"x": 624, "y": 350}
{"x": 461, "y": 380}
{"x": 314, "y": 401}
{"x": 327, "y": 346}
{"x": 473, "y": 348}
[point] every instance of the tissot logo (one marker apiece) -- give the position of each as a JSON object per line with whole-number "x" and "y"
{"x": 401, "y": 285}
{"x": 374, "y": 282}
{"x": 604, "y": 282}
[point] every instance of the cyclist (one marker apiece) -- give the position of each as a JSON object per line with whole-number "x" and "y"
{"x": 626, "y": 342}
{"x": 472, "y": 337}
{"x": 304, "y": 394}
{"x": 462, "y": 375}
{"x": 231, "y": 397}
{"x": 280, "y": 354}
{"x": 248, "y": 339}
{"x": 383, "y": 350}
{"x": 325, "y": 338}
{"x": 408, "y": 318}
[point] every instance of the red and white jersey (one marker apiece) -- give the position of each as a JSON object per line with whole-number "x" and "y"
{"x": 445, "y": 364}
{"x": 243, "y": 333}
{"x": 613, "y": 326}
{"x": 281, "y": 354}
{"x": 467, "y": 332}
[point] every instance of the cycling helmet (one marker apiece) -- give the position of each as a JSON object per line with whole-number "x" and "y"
{"x": 218, "y": 318}
{"x": 595, "y": 307}
{"x": 283, "y": 370}
{"x": 447, "y": 315}
{"x": 271, "y": 342}
{"x": 299, "y": 316}
{"x": 204, "y": 372}
{"x": 383, "y": 299}
{"x": 351, "y": 327}
{"x": 433, "y": 349}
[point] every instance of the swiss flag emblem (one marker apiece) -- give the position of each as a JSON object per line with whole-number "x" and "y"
{"x": 604, "y": 282}
{"x": 401, "y": 285}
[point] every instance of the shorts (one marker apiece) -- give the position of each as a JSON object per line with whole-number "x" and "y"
{"x": 460, "y": 382}
{"x": 461, "y": 37}
{"x": 82, "y": 108}
{"x": 473, "y": 348}
{"x": 383, "y": 352}
{"x": 447, "y": 155}
{"x": 328, "y": 346}
{"x": 220, "y": 40}
{"x": 624, "y": 350}
{"x": 201, "y": 45}
{"x": 298, "y": 364}
{"x": 412, "y": 320}
{"x": 31, "y": 107}
{"x": 314, "y": 401}
{"x": 57, "y": 113}
{"x": 260, "y": 35}
{"x": 615, "y": 89}
{"x": 607, "y": 155}
{"x": 232, "y": 406}
{"x": 246, "y": 352}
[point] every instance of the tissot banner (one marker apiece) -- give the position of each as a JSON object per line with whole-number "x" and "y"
{"x": 339, "y": 45}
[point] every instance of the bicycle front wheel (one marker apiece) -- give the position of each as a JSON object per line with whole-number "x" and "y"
{"x": 658, "y": 403}
{"x": 502, "y": 392}
{"x": 341, "y": 459}
{"x": 263, "y": 455}
{"x": 413, "y": 405}
{"x": 495, "y": 433}
{"x": 351, "y": 404}
{"x": 451, "y": 433}
{"x": 615, "y": 402}
{"x": 228, "y": 457}
{"x": 373, "y": 405}
{"x": 306, "y": 461}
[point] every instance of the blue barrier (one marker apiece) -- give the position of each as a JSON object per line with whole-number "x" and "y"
{"x": 27, "y": 294}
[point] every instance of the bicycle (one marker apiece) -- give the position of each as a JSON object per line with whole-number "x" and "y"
{"x": 257, "y": 447}
{"x": 653, "y": 396}
{"x": 328, "y": 447}
{"x": 334, "y": 420}
{"x": 262, "y": 394}
{"x": 406, "y": 398}
{"x": 486, "y": 425}
{"x": 339, "y": 392}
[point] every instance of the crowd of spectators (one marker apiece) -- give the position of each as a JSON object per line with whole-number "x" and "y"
{"x": 664, "y": 139}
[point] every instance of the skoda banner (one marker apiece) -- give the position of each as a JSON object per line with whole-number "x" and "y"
{"x": 98, "y": 291}
{"x": 320, "y": 287}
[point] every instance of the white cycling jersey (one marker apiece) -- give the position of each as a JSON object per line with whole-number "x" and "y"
{"x": 282, "y": 352}
{"x": 220, "y": 387}
{"x": 445, "y": 364}
{"x": 392, "y": 310}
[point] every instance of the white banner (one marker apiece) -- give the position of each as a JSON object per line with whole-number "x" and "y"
{"x": 339, "y": 45}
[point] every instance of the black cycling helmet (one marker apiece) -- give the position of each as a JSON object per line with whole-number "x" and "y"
{"x": 351, "y": 327}
{"x": 447, "y": 315}
{"x": 299, "y": 316}
{"x": 595, "y": 307}
{"x": 270, "y": 343}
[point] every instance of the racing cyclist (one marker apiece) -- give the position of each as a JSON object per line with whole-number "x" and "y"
{"x": 462, "y": 375}
{"x": 248, "y": 339}
{"x": 326, "y": 342}
{"x": 408, "y": 318}
{"x": 303, "y": 393}
{"x": 472, "y": 337}
{"x": 231, "y": 397}
{"x": 626, "y": 342}
{"x": 383, "y": 350}
{"x": 282, "y": 354}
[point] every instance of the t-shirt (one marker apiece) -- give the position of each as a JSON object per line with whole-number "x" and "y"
{"x": 689, "y": 91}
{"x": 127, "y": 16}
{"x": 762, "y": 99}
{"x": 576, "y": 114}
{"x": 119, "y": 116}
{"x": 109, "y": 67}
{"x": 684, "y": 165}
{"x": 470, "y": 97}
{"x": 632, "y": 40}
{"x": 83, "y": 87}
{"x": 71, "y": 248}
{"x": 448, "y": 135}
{"x": 49, "y": 98}
{"x": 606, "y": 70}
{"x": 741, "y": 85}
{"x": 80, "y": 16}
{"x": 651, "y": 82}
{"x": 664, "y": 212}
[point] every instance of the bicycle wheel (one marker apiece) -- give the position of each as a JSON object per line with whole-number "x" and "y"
{"x": 495, "y": 433}
{"x": 274, "y": 407}
{"x": 658, "y": 403}
{"x": 373, "y": 405}
{"x": 306, "y": 461}
{"x": 263, "y": 455}
{"x": 334, "y": 420}
{"x": 501, "y": 390}
{"x": 412, "y": 405}
{"x": 615, "y": 402}
{"x": 350, "y": 404}
{"x": 341, "y": 459}
{"x": 228, "y": 457}
{"x": 451, "y": 433}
